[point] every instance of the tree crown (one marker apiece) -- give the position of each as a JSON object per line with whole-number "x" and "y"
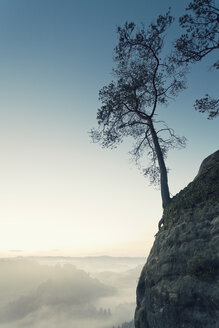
{"x": 144, "y": 79}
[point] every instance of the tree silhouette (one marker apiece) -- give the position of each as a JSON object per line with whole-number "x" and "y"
{"x": 144, "y": 80}
{"x": 201, "y": 37}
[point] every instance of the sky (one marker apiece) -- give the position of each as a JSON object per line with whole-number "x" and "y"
{"x": 60, "y": 194}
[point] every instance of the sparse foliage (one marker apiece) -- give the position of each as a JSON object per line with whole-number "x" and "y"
{"x": 202, "y": 31}
{"x": 201, "y": 25}
{"x": 209, "y": 105}
{"x": 145, "y": 80}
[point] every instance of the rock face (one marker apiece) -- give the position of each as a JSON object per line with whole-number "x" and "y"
{"x": 179, "y": 284}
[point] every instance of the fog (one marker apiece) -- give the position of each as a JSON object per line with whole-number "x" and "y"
{"x": 55, "y": 293}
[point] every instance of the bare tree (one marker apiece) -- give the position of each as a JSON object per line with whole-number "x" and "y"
{"x": 144, "y": 80}
{"x": 201, "y": 25}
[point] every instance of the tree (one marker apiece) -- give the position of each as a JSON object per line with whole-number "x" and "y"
{"x": 209, "y": 105}
{"x": 144, "y": 80}
{"x": 201, "y": 24}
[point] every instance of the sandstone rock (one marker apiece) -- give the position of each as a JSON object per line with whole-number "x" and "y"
{"x": 179, "y": 285}
{"x": 208, "y": 163}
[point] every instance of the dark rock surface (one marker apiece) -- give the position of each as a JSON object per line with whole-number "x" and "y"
{"x": 179, "y": 284}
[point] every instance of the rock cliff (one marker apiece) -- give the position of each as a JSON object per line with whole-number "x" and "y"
{"x": 179, "y": 284}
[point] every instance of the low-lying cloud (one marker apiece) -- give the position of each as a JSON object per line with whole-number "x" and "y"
{"x": 56, "y": 296}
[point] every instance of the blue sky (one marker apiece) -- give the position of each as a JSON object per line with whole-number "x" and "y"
{"x": 58, "y": 190}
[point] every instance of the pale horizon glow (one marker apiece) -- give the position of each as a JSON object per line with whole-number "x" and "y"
{"x": 61, "y": 194}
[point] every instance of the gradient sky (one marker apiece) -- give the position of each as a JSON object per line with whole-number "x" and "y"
{"x": 59, "y": 193}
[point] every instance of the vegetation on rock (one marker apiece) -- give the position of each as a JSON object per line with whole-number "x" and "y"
{"x": 201, "y": 268}
{"x": 203, "y": 191}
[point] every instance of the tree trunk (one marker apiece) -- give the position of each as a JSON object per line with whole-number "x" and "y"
{"x": 165, "y": 194}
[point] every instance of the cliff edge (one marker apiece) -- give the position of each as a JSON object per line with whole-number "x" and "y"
{"x": 179, "y": 284}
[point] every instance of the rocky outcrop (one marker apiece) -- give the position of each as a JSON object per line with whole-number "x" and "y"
{"x": 179, "y": 285}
